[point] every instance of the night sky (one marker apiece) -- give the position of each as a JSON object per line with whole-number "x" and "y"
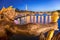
{"x": 33, "y": 5}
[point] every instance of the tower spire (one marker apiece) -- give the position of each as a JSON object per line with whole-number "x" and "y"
{"x": 26, "y": 7}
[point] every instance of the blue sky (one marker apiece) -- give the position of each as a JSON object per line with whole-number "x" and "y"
{"x": 33, "y": 5}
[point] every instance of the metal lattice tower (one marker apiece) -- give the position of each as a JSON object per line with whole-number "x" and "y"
{"x": 26, "y": 7}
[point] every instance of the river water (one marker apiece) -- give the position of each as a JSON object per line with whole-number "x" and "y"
{"x": 59, "y": 24}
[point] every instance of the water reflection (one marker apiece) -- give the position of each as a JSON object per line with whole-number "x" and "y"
{"x": 59, "y": 24}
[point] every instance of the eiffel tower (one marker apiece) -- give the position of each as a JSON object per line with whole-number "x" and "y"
{"x": 26, "y": 7}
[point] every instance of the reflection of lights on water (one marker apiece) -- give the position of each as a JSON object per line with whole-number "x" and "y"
{"x": 15, "y": 21}
{"x": 19, "y": 21}
{"x": 33, "y": 19}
